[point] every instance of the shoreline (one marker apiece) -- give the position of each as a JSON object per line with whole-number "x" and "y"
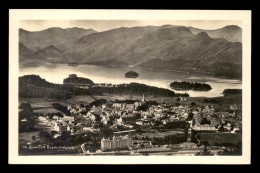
{"x": 209, "y": 74}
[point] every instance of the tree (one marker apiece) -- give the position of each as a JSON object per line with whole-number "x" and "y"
{"x": 193, "y": 103}
{"x": 177, "y": 104}
{"x": 52, "y": 133}
{"x": 221, "y": 129}
{"x": 190, "y": 116}
{"x": 106, "y": 132}
{"x": 206, "y": 152}
{"x": 25, "y": 106}
{"x": 65, "y": 135}
{"x": 44, "y": 136}
{"x": 142, "y": 108}
{"x": 33, "y": 138}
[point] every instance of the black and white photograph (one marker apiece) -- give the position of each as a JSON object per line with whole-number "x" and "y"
{"x": 116, "y": 86}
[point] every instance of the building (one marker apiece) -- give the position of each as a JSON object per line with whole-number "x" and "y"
{"x": 116, "y": 143}
{"x": 202, "y": 124}
{"x": 130, "y": 106}
{"x": 105, "y": 144}
{"x": 235, "y": 107}
{"x": 117, "y": 105}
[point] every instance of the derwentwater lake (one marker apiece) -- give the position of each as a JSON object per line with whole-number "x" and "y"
{"x": 55, "y": 73}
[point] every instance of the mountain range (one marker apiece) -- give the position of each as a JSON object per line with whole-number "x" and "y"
{"x": 165, "y": 47}
{"x": 51, "y": 36}
{"x": 231, "y": 33}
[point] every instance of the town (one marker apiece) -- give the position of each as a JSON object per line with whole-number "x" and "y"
{"x": 140, "y": 127}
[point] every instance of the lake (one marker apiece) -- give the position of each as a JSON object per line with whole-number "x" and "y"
{"x": 55, "y": 73}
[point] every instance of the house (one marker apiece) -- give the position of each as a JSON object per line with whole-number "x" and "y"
{"x": 158, "y": 115}
{"x": 55, "y": 117}
{"x": 146, "y": 113}
{"x": 146, "y": 122}
{"x": 235, "y": 107}
{"x": 104, "y": 121}
{"x": 137, "y": 104}
{"x": 87, "y": 129}
{"x": 92, "y": 117}
{"x": 129, "y": 126}
{"x": 117, "y": 105}
{"x": 103, "y": 106}
{"x": 130, "y": 106}
{"x": 139, "y": 122}
{"x": 182, "y": 99}
{"x": 56, "y": 135}
{"x": 119, "y": 120}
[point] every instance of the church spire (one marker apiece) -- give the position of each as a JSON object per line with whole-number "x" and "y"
{"x": 143, "y": 100}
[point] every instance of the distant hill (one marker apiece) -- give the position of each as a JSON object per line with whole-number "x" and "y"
{"x": 231, "y": 33}
{"x": 36, "y": 87}
{"x": 140, "y": 44}
{"x": 166, "y": 47}
{"x": 107, "y": 45}
{"x": 27, "y": 55}
{"x": 51, "y": 36}
{"x": 50, "y": 51}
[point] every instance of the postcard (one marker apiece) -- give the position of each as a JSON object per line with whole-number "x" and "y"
{"x": 129, "y": 86}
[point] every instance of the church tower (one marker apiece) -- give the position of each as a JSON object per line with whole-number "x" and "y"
{"x": 143, "y": 100}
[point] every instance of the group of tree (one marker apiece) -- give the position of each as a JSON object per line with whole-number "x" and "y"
{"x": 129, "y": 89}
{"x": 190, "y": 116}
{"x": 190, "y": 86}
{"x": 210, "y": 100}
{"x": 26, "y": 118}
{"x": 228, "y": 70}
{"x": 204, "y": 152}
{"x": 97, "y": 103}
{"x": 61, "y": 108}
{"x": 36, "y": 87}
{"x": 74, "y": 80}
{"x": 51, "y": 115}
{"x": 170, "y": 139}
{"x": 232, "y": 92}
{"x": 45, "y": 137}
{"x": 174, "y": 125}
{"x": 127, "y": 101}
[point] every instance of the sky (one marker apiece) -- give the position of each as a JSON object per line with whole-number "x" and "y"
{"x": 103, "y": 25}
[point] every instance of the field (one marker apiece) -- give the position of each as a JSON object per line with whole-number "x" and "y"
{"x": 158, "y": 134}
{"x": 223, "y": 104}
{"x": 41, "y": 102}
{"x": 219, "y": 138}
{"x": 38, "y": 103}
{"x": 41, "y": 123}
{"x": 26, "y": 137}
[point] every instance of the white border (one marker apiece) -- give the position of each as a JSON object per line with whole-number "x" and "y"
{"x": 16, "y": 15}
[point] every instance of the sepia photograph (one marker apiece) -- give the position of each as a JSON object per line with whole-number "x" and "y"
{"x": 164, "y": 87}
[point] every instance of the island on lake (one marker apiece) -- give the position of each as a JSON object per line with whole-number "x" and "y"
{"x": 73, "y": 79}
{"x": 131, "y": 74}
{"x": 232, "y": 92}
{"x": 190, "y": 86}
